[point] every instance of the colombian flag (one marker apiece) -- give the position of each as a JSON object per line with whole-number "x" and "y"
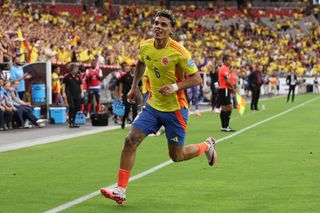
{"x": 241, "y": 104}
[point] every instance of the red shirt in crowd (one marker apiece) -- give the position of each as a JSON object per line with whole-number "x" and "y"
{"x": 94, "y": 77}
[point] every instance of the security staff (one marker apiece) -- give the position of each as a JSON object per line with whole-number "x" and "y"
{"x": 292, "y": 82}
{"x": 72, "y": 93}
{"x": 255, "y": 82}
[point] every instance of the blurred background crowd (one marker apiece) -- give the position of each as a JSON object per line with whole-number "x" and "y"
{"x": 279, "y": 38}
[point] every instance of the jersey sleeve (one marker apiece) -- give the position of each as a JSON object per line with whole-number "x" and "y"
{"x": 187, "y": 65}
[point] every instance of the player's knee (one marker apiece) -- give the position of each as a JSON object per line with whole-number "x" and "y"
{"x": 131, "y": 142}
{"x": 176, "y": 158}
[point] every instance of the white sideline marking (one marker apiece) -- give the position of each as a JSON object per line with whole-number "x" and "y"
{"x": 53, "y": 138}
{"x": 153, "y": 169}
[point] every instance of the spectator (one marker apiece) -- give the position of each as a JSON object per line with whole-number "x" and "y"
{"x": 24, "y": 109}
{"x": 9, "y": 104}
{"x": 16, "y": 73}
{"x": 6, "y": 114}
{"x": 273, "y": 85}
{"x": 94, "y": 77}
{"x": 56, "y": 86}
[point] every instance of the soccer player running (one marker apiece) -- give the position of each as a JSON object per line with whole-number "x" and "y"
{"x": 166, "y": 62}
{"x": 225, "y": 89}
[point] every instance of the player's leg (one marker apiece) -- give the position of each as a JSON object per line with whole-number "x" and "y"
{"x": 183, "y": 153}
{"x": 132, "y": 141}
{"x": 128, "y": 155}
{"x": 175, "y": 126}
{"x": 146, "y": 123}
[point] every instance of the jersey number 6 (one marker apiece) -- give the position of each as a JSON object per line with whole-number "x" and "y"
{"x": 156, "y": 70}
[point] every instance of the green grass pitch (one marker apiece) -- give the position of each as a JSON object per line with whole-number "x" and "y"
{"x": 273, "y": 167}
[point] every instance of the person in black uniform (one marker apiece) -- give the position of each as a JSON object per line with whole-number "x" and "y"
{"x": 255, "y": 82}
{"x": 72, "y": 93}
{"x": 292, "y": 82}
{"x": 214, "y": 86}
{"x": 125, "y": 83}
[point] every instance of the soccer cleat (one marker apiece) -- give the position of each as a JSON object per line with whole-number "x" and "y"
{"x": 211, "y": 153}
{"x": 117, "y": 194}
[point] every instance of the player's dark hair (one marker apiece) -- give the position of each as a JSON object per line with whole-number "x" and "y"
{"x": 225, "y": 57}
{"x": 167, "y": 14}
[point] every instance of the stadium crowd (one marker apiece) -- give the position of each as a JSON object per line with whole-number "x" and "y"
{"x": 111, "y": 35}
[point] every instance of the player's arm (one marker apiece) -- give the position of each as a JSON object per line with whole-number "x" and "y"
{"x": 191, "y": 81}
{"x": 189, "y": 68}
{"x": 138, "y": 74}
{"x": 136, "y": 78}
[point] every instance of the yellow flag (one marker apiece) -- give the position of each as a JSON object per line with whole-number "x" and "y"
{"x": 241, "y": 104}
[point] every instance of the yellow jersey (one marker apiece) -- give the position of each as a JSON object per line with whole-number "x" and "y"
{"x": 164, "y": 66}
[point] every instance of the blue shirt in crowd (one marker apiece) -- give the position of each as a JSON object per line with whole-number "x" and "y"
{"x": 17, "y": 72}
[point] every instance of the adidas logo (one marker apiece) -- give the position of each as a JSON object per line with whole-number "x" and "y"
{"x": 175, "y": 139}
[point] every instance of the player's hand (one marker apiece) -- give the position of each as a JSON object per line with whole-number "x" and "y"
{"x": 166, "y": 90}
{"x": 131, "y": 96}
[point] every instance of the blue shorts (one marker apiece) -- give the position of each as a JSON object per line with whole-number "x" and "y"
{"x": 150, "y": 120}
